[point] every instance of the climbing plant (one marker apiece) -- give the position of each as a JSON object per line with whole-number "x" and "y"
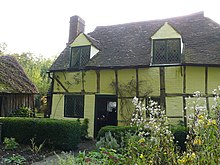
{"x": 127, "y": 91}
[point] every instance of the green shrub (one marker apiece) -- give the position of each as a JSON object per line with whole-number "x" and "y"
{"x": 180, "y": 133}
{"x": 61, "y": 134}
{"x": 108, "y": 142}
{"x": 14, "y": 159}
{"x": 84, "y": 129}
{"x": 118, "y": 132}
{"x": 23, "y": 112}
{"x": 10, "y": 143}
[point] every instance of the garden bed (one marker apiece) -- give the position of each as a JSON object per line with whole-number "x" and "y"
{"x": 23, "y": 154}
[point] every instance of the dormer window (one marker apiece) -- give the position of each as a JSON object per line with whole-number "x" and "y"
{"x": 80, "y": 56}
{"x": 82, "y": 50}
{"x": 166, "y": 46}
{"x": 166, "y": 51}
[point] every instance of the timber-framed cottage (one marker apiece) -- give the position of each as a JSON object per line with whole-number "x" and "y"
{"x": 98, "y": 74}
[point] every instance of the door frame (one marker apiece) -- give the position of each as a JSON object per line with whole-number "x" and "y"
{"x": 107, "y": 96}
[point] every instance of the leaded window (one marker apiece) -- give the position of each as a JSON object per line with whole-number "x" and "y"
{"x": 166, "y": 51}
{"x": 79, "y": 56}
{"x": 74, "y": 106}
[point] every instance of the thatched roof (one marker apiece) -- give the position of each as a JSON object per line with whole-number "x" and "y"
{"x": 13, "y": 78}
{"x": 129, "y": 45}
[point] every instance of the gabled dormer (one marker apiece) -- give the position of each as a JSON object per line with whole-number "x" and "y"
{"x": 82, "y": 50}
{"x": 166, "y": 46}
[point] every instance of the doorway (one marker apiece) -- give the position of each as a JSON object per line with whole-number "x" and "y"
{"x": 105, "y": 112}
{"x": 1, "y": 100}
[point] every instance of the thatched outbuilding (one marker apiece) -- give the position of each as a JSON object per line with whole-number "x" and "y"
{"x": 16, "y": 89}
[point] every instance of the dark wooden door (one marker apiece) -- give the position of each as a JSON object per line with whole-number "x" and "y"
{"x": 1, "y": 100}
{"x": 105, "y": 112}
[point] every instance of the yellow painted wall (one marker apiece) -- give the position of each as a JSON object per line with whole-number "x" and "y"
{"x": 166, "y": 31}
{"x": 57, "y": 106}
{"x": 90, "y": 81}
{"x": 195, "y": 79}
{"x": 89, "y": 111}
{"x": 69, "y": 80}
{"x": 125, "y": 111}
{"x": 173, "y": 79}
{"x": 89, "y": 106}
{"x": 81, "y": 40}
{"x": 213, "y": 78}
{"x": 151, "y": 79}
{"x": 174, "y": 106}
{"x": 106, "y": 78}
{"x": 124, "y": 77}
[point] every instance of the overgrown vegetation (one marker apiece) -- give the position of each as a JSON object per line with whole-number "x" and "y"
{"x": 155, "y": 141}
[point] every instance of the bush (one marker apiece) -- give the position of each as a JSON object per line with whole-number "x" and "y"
{"x": 23, "y": 112}
{"x": 118, "y": 132}
{"x": 180, "y": 133}
{"x": 108, "y": 142}
{"x": 60, "y": 134}
{"x": 84, "y": 129}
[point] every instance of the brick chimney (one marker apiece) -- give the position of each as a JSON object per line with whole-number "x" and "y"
{"x": 77, "y": 26}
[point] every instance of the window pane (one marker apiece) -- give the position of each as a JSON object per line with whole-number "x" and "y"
{"x": 85, "y": 55}
{"x": 74, "y": 106}
{"x": 159, "y": 55}
{"x": 75, "y": 56}
{"x": 80, "y": 56}
{"x": 173, "y": 51}
{"x": 166, "y": 51}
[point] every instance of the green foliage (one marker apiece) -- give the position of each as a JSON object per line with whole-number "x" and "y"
{"x": 34, "y": 148}
{"x": 180, "y": 132}
{"x": 15, "y": 159}
{"x": 3, "y": 48}
{"x": 10, "y": 143}
{"x": 102, "y": 157}
{"x": 36, "y": 68}
{"x": 61, "y": 134}
{"x": 118, "y": 132}
{"x": 108, "y": 142}
{"x": 84, "y": 129}
{"x": 23, "y": 112}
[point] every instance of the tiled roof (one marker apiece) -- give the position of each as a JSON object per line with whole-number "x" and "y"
{"x": 128, "y": 45}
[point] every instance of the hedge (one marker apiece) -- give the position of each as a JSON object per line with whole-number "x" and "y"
{"x": 60, "y": 134}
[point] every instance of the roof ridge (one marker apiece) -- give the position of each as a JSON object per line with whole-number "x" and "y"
{"x": 197, "y": 14}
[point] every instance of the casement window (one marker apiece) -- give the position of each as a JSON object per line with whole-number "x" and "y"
{"x": 166, "y": 51}
{"x": 74, "y": 106}
{"x": 80, "y": 56}
{"x": 149, "y": 101}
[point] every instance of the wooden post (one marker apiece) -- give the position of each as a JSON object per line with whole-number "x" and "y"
{"x": 116, "y": 82}
{"x": 98, "y": 80}
{"x": 162, "y": 89}
{"x": 206, "y": 89}
{"x": 184, "y": 97}
{"x": 1, "y": 133}
{"x": 137, "y": 83}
